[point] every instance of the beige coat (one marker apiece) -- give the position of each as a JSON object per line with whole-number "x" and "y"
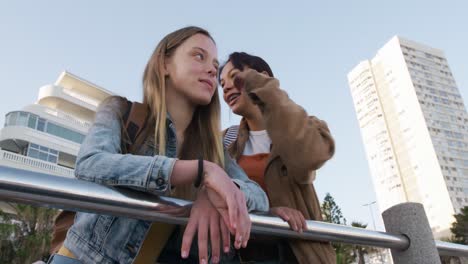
{"x": 301, "y": 144}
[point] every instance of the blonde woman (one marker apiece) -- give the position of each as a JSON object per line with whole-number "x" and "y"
{"x": 179, "y": 85}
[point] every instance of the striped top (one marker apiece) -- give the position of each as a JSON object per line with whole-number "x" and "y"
{"x": 230, "y": 135}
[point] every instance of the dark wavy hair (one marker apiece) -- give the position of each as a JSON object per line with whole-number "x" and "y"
{"x": 241, "y": 59}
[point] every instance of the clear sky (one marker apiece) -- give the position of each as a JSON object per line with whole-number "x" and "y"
{"x": 310, "y": 45}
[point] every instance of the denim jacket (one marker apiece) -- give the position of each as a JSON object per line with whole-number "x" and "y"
{"x": 97, "y": 238}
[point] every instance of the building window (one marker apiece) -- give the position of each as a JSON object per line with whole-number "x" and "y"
{"x": 42, "y": 153}
{"x": 41, "y": 124}
{"x": 35, "y": 122}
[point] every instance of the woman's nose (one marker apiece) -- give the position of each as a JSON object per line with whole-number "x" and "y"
{"x": 212, "y": 70}
{"x": 227, "y": 86}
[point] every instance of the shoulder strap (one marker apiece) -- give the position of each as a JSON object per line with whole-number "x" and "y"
{"x": 135, "y": 120}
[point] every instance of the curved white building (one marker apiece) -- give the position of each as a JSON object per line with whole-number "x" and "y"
{"x": 46, "y": 136}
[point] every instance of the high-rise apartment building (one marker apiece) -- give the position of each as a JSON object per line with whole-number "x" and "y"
{"x": 414, "y": 127}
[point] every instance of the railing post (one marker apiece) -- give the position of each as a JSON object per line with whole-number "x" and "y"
{"x": 409, "y": 219}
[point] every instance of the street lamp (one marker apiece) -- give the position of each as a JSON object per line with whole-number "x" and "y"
{"x": 379, "y": 255}
{"x": 370, "y": 209}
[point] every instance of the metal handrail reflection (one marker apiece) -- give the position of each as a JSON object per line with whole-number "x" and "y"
{"x": 40, "y": 189}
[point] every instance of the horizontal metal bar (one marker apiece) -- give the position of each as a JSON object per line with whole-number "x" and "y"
{"x": 451, "y": 249}
{"x": 34, "y": 188}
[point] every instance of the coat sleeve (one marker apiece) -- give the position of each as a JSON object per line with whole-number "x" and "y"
{"x": 303, "y": 142}
{"x": 100, "y": 158}
{"x": 255, "y": 197}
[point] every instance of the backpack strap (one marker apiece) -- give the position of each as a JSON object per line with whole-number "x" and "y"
{"x": 135, "y": 120}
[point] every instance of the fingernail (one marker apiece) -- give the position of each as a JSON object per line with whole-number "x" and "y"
{"x": 184, "y": 254}
{"x": 226, "y": 249}
{"x": 215, "y": 259}
{"x": 203, "y": 261}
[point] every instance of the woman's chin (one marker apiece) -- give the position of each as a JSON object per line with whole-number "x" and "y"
{"x": 236, "y": 110}
{"x": 202, "y": 100}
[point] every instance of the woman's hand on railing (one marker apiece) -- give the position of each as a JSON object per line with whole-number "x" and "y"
{"x": 294, "y": 217}
{"x": 226, "y": 196}
{"x": 204, "y": 219}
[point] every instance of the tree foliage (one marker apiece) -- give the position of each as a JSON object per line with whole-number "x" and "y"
{"x": 460, "y": 227}
{"x": 331, "y": 213}
{"x": 25, "y": 235}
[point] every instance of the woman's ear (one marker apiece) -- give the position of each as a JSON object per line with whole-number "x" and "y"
{"x": 265, "y": 73}
{"x": 165, "y": 67}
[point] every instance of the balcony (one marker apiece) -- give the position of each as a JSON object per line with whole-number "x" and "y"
{"x": 67, "y": 100}
{"x": 11, "y": 136}
{"x": 82, "y": 97}
{"x": 67, "y": 118}
{"x": 11, "y": 159}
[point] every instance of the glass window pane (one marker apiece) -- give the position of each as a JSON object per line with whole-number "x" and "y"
{"x": 22, "y": 119}
{"x": 41, "y": 124}
{"x": 32, "y": 121}
{"x": 13, "y": 117}
{"x": 32, "y": 145}
{"x": 43, "y": 156}
{"x": 52, "y": 159}
{"x": 52, "y": 129}
{"x": 75, "y": 136}
{"x": 33, "y": 153}
{"x": 55, "y": 152}
{"x": 44, "y": 149}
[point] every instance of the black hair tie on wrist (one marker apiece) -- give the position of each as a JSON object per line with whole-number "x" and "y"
{"x": 199, "y": 179}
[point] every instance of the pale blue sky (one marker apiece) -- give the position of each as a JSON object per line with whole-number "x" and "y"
{"x": 310, "y": 45}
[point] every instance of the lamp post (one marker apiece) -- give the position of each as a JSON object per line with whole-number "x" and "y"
{"x": 379, "y": 255}
{"x": 370, "y": 210}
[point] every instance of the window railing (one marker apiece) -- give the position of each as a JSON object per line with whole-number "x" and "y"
{"x": 36, "y": 163}
{"x": 59, "y": 192}
{"x": 68, "y": 118}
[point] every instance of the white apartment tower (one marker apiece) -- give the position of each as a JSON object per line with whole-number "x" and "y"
{"x": 46, "y": 136}
{"x": 414, "y": 127}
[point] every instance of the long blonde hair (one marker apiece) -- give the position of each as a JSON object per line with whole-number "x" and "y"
{"x": 202, "y": 136}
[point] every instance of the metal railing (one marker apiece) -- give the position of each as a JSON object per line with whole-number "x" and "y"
{"x": 58, "y": 192}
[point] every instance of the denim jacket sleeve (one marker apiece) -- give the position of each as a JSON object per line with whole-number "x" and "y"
{"x": 256, "y": 198}
{"x": 100, "y": 159}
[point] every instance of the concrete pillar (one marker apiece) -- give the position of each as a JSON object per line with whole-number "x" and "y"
{"x": 409, "y": 219}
